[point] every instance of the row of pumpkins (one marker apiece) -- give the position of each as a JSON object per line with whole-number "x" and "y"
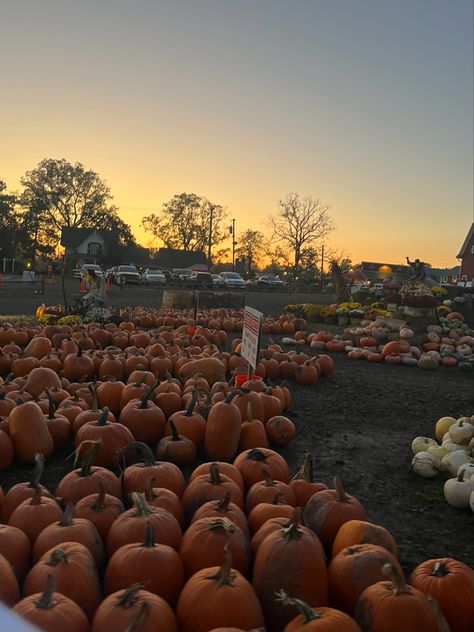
{"x": 454, "y": 349}
{"x": 146, "y": 552}
{"x": 451, "y": 453}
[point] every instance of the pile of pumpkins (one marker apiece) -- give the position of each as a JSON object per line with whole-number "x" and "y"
{"x": 452, "y": 453}
{"x": 449, "y": 347}
{"x": 239, "y": 547}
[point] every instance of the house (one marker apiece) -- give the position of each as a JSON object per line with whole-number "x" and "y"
{"x": 95, "y": 245}
{"x": 169, "y": 258}
{"x": 86, "y": 243}
{"x": 466, "y": 255}
{"x": 376, "y": 272}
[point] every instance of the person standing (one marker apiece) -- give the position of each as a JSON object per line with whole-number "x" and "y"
{"x": 418, "y": 269}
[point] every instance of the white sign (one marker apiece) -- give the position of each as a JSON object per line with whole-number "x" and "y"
{"x": 28, "y": 275}
{"x": 251, "y": 335}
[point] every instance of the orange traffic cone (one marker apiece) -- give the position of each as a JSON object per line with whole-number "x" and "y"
{"x": 82, "y": 288}
{"x": 107, "y": 284}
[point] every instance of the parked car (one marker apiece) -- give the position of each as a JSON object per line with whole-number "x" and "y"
{"x": 232, "y": 280}
{"x": 80, "y": 272}
{"x": 126, "y": 274}
{"x": 153, "y": 276}
{"x": 216, "y": 280}
{"x": 181, "y": 274}
{"x": 201, "y": 280}
{"x": 266, "y": 282}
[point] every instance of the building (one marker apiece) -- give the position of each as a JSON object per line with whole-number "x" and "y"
{"x": 169, "y": 258}
{"x": 374, "y": 272}
{"x": 92, "y": 245}
{"x": 466, "y": 255}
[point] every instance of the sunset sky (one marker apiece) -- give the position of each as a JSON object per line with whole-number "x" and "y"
{"x": 365, "y": 104}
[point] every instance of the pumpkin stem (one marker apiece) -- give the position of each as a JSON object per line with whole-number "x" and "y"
{"x": 340, "y": 493}
{"x": 439, "y": 569}
{"x": 249, "y": 412}
{"x": 129, "y": 596}
{"x": 95, "y": 402}
{"x": 222, "y": 525}
{"x": 230, "y": 396}
{"x": 174, "y": 431}
{"x": 399, "y": 585}
{"x": 215, "y": 474}
{"x": 38, "y": 471}
{"x": 136, "y": 624}
{"x": 222, "y": 505}
{"x": 99, "y": 502}
{"x": 305, "y": 472}
{"x": 303, "y": 608}
{"x": 148, "y": 491}
{"x": 68, "y": 516}
{"x": 147, "y": 394}
{"x": 278, "y": 500}
{"x": 45, "y": 602}
{"x": 52, "y": 405}
{"x": 292, "y": 532}
{"x": 256, "y": 455}
{"x": 146, "y": 455}
{"x": 141, "y": 506}
{"x": 192, "y": 402}
{"x": 149, "y": 538}
{"x": 460, "y": 477}
{"x": 269, "y": 482}
{"x": 57, "y": 557}
{"x": 89, "y": 457}
{"x": 79, "y": 350}
{"x": 102, "y": 421}
{"x": 36, "y": 498}
{"x": 224, "y": 575}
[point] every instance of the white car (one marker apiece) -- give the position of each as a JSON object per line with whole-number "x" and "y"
{"x": 88, "y": 267}
{"x": 232, "y": 280}
{"x": 216, "y": 280}
{"x": 151, "y": 276}
{"x": 127, "y": 274}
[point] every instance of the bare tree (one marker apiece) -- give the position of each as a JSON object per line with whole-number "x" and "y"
{"x": 297, "y": 228}
{"x": 250, "y": 245}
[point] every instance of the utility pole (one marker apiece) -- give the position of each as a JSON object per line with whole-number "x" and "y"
{"x": 232, "y": 232}
{"x": 322, "y": 266}
{"x": 209, "y": 245}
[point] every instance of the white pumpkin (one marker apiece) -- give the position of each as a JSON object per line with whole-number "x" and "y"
{"x": 461, "y": 432}
{"x": 450, "y": 446}
{"x": 425, "y": 464}
{"x": 438, "y": 451}
{"x": 468, "y": 469}
{"x": 452, "y": 461}
{"x": 421, "y": 444}
{"x": 288, "y": 341}
{"x": 442, "y": 426}
{"x": 471, "y": 501}
{"x": 457, "y": 491}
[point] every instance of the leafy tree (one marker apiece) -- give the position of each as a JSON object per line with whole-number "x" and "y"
{"x": 297, "y": 228}
{"x": 250, "y": 246}
{"x": 8, "y": 222}
{"x": 184, "y": 222}
{"x": 58, "y": 194}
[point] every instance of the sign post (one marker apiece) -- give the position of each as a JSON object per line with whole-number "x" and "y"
{"x": 251, "y": 337}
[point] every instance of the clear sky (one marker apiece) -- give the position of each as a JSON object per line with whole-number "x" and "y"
{"x": 365, "y": 104}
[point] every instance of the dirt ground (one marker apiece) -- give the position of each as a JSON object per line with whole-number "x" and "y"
{"x": 358, "y": 424}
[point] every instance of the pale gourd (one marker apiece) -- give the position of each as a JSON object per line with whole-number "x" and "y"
{"x": 457, "y": 491}
{"x": 425, "y": 464}
{"x": 461, "y": 432}
{"x": 471, "y": 501}
{"x": 442, "y": 426}
{"x": 453, "y": 461}
{"x": 289, "y": 341}
{"x": 449, "y": 446}
{"x": 428, "y": 363}
{"x": 438, "y": 451}
{"x": 421, "y": 444}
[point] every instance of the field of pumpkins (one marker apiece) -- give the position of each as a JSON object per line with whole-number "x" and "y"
{"x": 150, "y": 482}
